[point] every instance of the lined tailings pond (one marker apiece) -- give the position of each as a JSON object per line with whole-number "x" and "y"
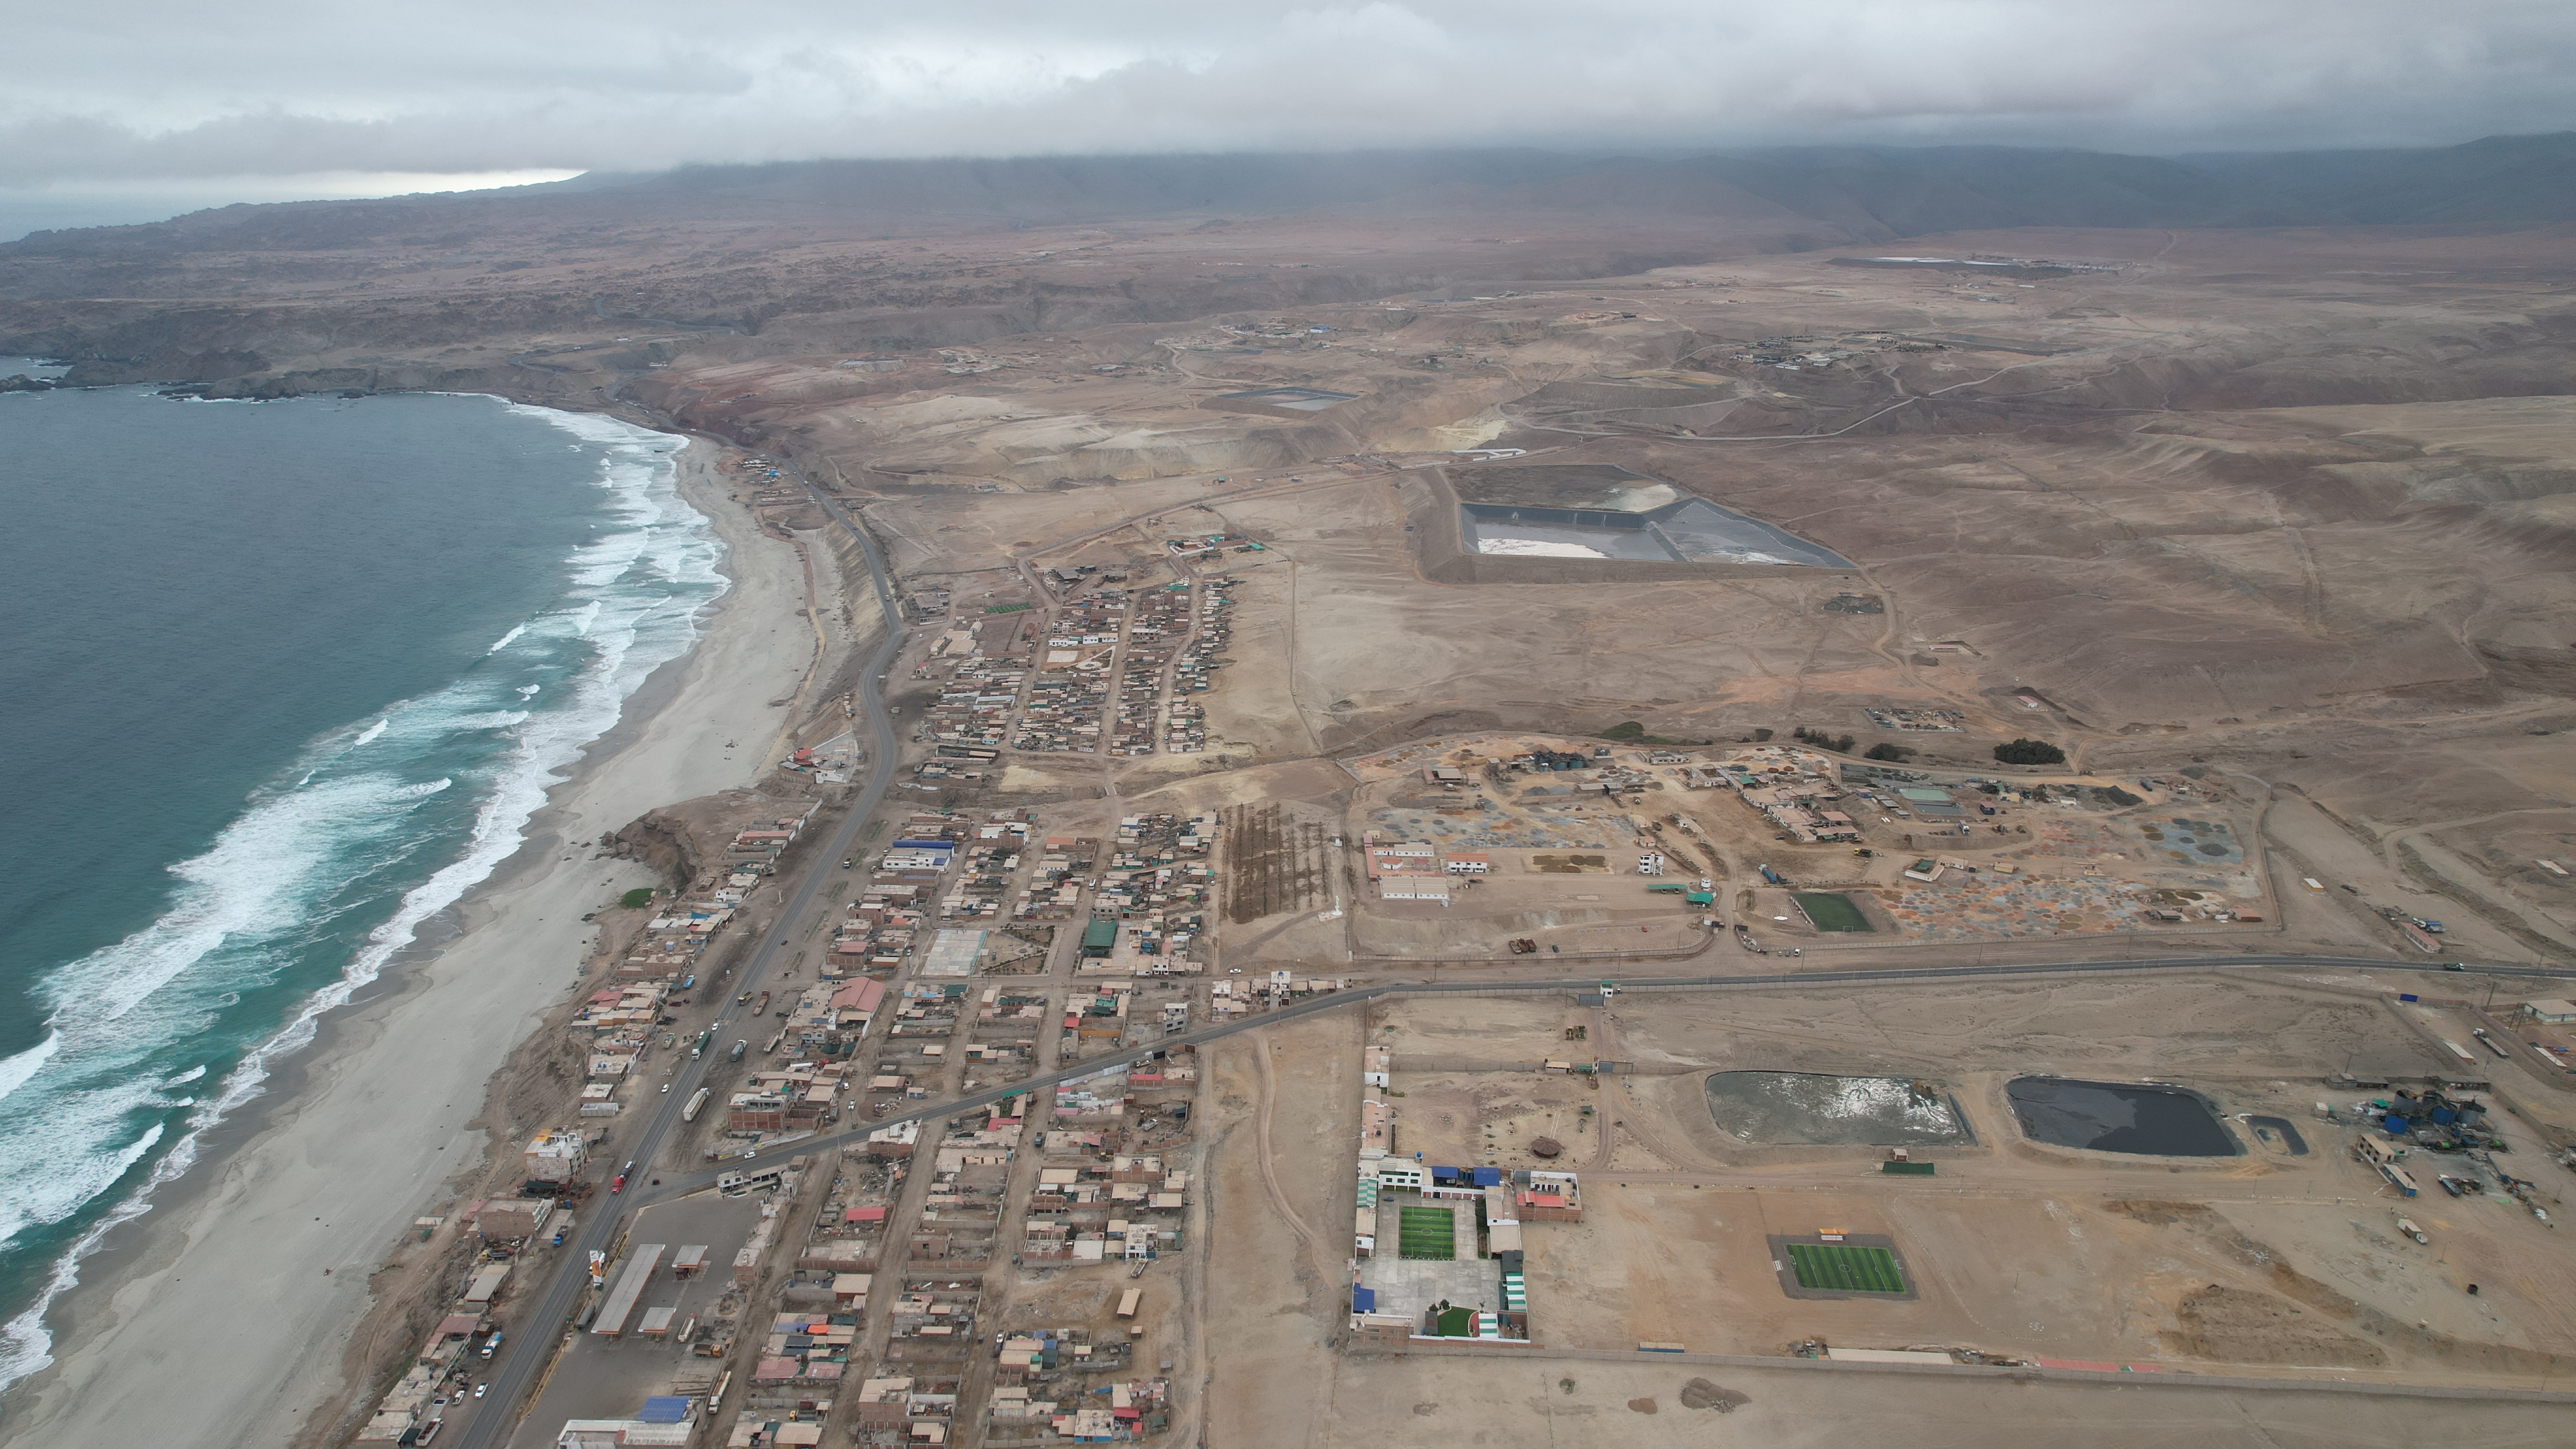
{"x": 2111, "y": 1117}
{"x": 1808, "y": 1109}
{"x": 1601, "y": 510}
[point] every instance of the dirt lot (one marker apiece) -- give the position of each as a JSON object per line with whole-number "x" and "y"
{"x": 2081, "y": 1266}
{"x": 2016, "y": 1248}
{"x": 2202, "y": 520}
{"x": 1569, "y": 1402}
{"x": 1280, "y": 1206}
{"x": 1274, "y": 863}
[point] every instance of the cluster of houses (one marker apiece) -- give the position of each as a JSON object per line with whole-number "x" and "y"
{"x": 1792, "y": 788}
{"x": 1194, "y": 672}
{"x": 988, "y": 659}
{"x": 1153, "y": 896}
{"x": 1042, "y": 1377}
{"x": 1069, "y": 690}
{"x": 1041, "y": 679}
{"x": 787, "y": 1101}
{"x": 1103, "y": 1193}
{"x": 1156, "y": 629}
{"x": 419, "y": 1399}
{"x": 1057, "y": 881}
{"x": 886, "y": 917}
{"x": 991, "y": 858}
{"x": 806, "y": 1353}
{"x": 617, "y": 1026}
{"x": 618, "y": 1023}
{"x": 501, "y": 1230}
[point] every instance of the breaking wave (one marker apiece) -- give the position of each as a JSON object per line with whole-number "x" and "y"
{"x": 394, "y": 820}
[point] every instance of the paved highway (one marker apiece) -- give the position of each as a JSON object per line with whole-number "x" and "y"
{"x": 1339, "y": 1000}
{"x": 531, "y": 1340}
{"x": 536, "y": 1334}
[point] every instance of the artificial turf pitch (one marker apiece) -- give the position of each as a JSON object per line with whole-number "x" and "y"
{"x": 1846, "y": 1268}
{"x": 1426, "y": 1233}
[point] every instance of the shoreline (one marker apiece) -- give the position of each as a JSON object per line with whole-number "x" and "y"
{"x": 367, "y": 1127}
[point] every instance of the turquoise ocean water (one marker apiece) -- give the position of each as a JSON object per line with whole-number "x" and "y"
{"x": 284, "y": 681}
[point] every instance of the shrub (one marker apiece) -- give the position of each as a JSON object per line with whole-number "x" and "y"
{"x": 2030, "y": 752}
{"x": 1896, "y": 753}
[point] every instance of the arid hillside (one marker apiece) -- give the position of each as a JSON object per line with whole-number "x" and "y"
{"x": 2294, "y": 501}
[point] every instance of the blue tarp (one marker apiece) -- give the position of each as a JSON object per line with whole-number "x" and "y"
{"x": 1363, "y": 1300}
{"x": 663, "y": 1409}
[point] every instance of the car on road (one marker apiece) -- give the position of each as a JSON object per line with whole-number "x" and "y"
{"x": 479, "y": 1388}
{"x": 2453, "y": 966}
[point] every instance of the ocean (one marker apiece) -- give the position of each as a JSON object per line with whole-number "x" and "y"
{"x": 285, "y": 681}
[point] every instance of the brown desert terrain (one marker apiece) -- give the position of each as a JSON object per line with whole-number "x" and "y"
{"x": 1370, "y": 630}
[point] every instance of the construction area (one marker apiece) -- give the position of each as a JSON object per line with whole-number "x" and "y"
{"x": 2303, "y": 1247}
{"x": 1421, "y": 648}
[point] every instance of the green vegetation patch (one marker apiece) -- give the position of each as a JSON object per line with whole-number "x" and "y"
{"x": 1426, "y": 1233}
{"x": 1634, "y": 732}
{"x": 2029, "y": 752}
{"x": 1833, "y": 912}
{"x": 1005, "y": 608}
{"x": 637, "y": 899}
{"x": 1845, "y": 1268}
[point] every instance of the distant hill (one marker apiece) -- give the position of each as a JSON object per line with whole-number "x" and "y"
{"x": 2512, "y": 180}
{"x": 1845, "y": 194}
{"x": 1894, "y": 191}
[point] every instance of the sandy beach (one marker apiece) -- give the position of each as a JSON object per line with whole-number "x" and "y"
{"x": 219, "y": 1318}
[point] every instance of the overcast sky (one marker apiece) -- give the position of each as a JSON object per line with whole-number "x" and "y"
{"x": 110, "y": 113}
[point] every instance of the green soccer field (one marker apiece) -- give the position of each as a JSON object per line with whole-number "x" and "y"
{"x": 1426, "y": 1233}
{"x": 1845, "y": 1268}
{"x": 1832, "y": 912}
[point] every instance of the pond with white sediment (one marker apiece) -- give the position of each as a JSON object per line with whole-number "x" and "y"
{"x": 1816, "y": 1109}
